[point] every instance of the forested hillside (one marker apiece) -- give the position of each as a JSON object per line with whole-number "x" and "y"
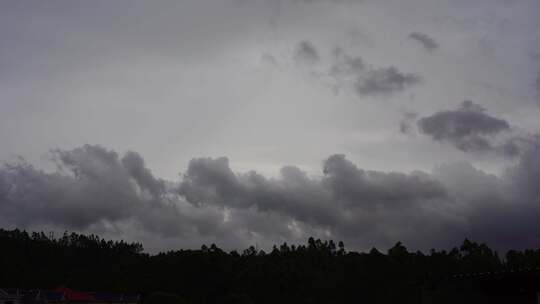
{"x": 317, "y": 272}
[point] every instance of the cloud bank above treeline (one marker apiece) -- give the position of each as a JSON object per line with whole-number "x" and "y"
{"x": 95, "y": 189}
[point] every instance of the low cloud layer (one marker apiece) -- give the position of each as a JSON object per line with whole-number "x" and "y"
{"x": 426, "y": 41}
{"x": 321, "y": 203}
{"x": 95, "y": 189}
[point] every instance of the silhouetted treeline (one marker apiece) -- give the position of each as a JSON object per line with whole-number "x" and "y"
{"x": 317, "y": 272}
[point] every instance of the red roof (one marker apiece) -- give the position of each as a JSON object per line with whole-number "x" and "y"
{"x": 73, "y": 295}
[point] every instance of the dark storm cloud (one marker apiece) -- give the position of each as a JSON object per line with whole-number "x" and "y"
{"x": 366, "y": 207}
{"x": 347, "y": 202}
{"x": 211, "y": 181}
{"x": 500, "y": 210}
{"x": 360, "y": 188}
{"x": 306, "y": 53}
{"x": 294, "y": 194}
{"x": 470, "y": 129}
{"x": 95, "y": 188}
{"x": 426, "y": 41}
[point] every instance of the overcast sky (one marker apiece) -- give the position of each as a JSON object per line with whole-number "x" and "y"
{"x": 239, "y": 122}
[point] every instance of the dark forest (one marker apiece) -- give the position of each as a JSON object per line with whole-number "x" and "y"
{"x": 316, "y": 272}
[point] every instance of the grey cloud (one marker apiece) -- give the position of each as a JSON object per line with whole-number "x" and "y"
{"x": 135, "y": 167}
{"x": 526, "y": 175}
{"x": 352, "y": 71}
{"x": 426, "y": 41}
{"x": 322, "y": 1}
{"x": 537, "y": 85}
{"x": 371, "y": 207}
{"x": 269, "y": 59}
{"x": 92, "y": 187}
{"x": 346, "y": 65}
{"x": 212, "y": 181}
{"x": 96, "y": 189}
{"x": 406, "y": 123}
{"x": 357, "y": 186}
{"x": 470, "y": 129}
{"x": 306, "y": 53}
{"x": 347, "y": 202}
{"x": 499, "y": 210}
{"x": 385, "y": 81}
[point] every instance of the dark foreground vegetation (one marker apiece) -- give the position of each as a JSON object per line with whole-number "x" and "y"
{"x": 318, "y": 272}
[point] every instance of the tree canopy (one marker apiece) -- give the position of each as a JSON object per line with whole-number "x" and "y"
{"x": 317, "y": 272}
